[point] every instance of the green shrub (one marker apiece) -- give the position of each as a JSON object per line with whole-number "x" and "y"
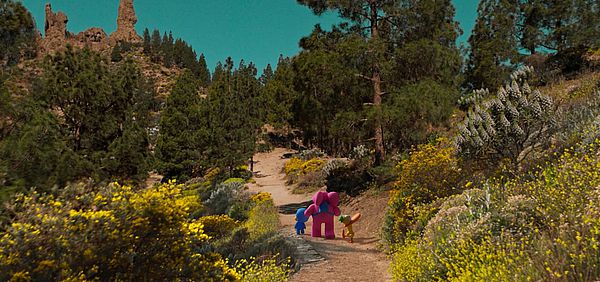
{"x": 272, "y": 245}
{"x": 310, "y": 182}
{"x": 223, "y": 197}
{"x": 348, "y": 179}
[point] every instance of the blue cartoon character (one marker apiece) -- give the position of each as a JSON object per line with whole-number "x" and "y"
{"x": 300, "y": 220}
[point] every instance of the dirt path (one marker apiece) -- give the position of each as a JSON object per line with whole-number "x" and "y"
{"x": 360, "y": 261}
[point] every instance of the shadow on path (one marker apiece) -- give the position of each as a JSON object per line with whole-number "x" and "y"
{"x": 293, "y": 207}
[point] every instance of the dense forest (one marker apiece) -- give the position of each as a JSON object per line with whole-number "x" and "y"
{"x": 490, "y": 153}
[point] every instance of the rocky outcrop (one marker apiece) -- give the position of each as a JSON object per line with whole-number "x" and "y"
{"x": 95, "y": 38}
{"x": 126, "y": 21}
{"x": 58, "y": 37}
{"x": 55, "y": 29}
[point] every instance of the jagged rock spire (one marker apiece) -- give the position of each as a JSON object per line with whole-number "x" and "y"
{"x": 126, "y": 21}
{"x": 55, "y": 29}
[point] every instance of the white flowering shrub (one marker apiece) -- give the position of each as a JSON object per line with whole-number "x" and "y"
{"x": 332, "y": 165}
{"x": 508, "y": 125}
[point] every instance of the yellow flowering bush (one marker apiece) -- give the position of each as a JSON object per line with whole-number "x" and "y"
{"x": 308, "y": 174}
{"x": 261, "y": 197}
{"x": 296, "y": 167}
{"x": 543, "y": 227}
{"x": 430, "y": 172}
{"x": 217, "y": 226}
{"x": 262, "y": 219}
{"x": 212, "y": 174}
{"x": 112, "y": 233}
{"x": 262, "y": 271}
{"x": 412, "y": 262}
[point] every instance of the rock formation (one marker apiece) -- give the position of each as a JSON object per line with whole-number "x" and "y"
{"x": 126, "y": 21}
{"x": 58, "y": 37}
{"x": 94, "y": 37}
{"x": 55, "y": 29}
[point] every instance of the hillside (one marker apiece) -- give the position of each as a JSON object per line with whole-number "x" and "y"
{"x": 123, "y": 157}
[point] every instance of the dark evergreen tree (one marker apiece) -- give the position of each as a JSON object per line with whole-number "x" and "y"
{"x": 585, "y": 28}
{"x": 17, "y": 33}
{"x": 97, "y": 108}
{"x": 369, "y": 50}
{"x": 530, "y": 24}
{"x": 128, "y": 156}
{"x": 147, "y": 43}
{"x": 167, "y": 50}
{"x": 155, "y": 44}
{"x": 234, "y": 115}
{"x": 267, "y": 75}
{"x": 115, "y": 55}
{"x": 493, "y": 44}
{"x": 204, "y": 74}
{"x": 182, "y": 145}
{"x": 278, "y": 94}
{"x": 80, "y": 121}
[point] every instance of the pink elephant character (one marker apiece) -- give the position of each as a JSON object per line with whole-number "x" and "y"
{"x": 323, "y": 210}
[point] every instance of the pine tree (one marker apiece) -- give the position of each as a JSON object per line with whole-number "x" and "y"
{"x": 182, "y": 146}
{"x": 234, "y": 115}
{"x": 204, "y": 73}
{"x": 155, "y": 43}
{"x": 147, "y": 44}
{"x": 128, "y": 157}
{"x": 97, "y": 108}
{"x": 493, "y": 44}
{"x": 585, "y": 28}
{"x": 167, "y": 50}
{"x": 267, "y": 75}
{"x": 17, "y": 33}
{"x": 115, "y": 55}
{"x": 530, "y": 25}
{"x": 369, "y": 49}
{"x": 372, "y": 15}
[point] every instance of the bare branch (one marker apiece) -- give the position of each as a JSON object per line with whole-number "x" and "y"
{"x": 364, "y": 76}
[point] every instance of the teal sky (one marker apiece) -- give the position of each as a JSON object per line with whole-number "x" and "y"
{"x": 253, "y": 30}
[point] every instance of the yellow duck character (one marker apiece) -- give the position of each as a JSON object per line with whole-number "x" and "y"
{"x": 348, "y": 221}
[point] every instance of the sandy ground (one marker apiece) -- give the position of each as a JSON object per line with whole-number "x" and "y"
{"x": 359, "y": 261}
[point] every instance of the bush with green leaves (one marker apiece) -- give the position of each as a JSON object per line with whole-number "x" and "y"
{"x": 84, "y": 118}
{"x": 581, "y": 122}
{"x": 510, "y": 124}
{"x": 223, "y": 197}
{"x": 348, "y": 179}
{"x": 18, "y": 33}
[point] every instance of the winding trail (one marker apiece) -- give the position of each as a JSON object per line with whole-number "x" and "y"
{"x": 334, "y": 260}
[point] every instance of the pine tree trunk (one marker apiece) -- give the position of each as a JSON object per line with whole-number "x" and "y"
{"x": 376, "y": 80}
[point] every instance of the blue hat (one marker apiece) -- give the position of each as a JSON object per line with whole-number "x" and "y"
{"x": 300, "y": 215}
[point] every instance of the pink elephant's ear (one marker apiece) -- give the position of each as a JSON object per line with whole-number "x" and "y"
{"x": 334, "y": 198}
{"x": 319, "y": 197}
{"x": 312, "y": 209}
